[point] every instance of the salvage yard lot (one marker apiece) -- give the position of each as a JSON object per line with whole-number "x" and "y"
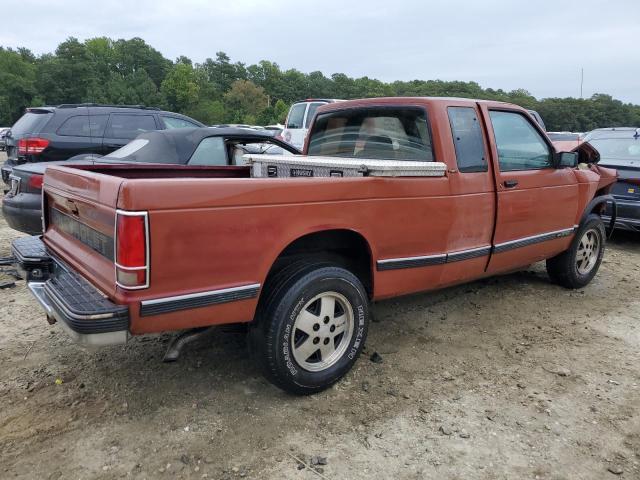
{"x": 510, "y": 377}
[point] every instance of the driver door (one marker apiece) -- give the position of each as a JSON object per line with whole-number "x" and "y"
{"x": 537, "y": 203}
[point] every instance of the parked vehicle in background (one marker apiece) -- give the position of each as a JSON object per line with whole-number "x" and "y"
{"x": 537, "y": 118}
{"x": 565, "y": 141}
{"x": 21, "y": 205}
{"x": 300, "y": 258}
{"x": 619, "y": 148}
{"x": 299, "y": 118}
{"x": 45, "y": 134}
{"x": 3, "y": 142}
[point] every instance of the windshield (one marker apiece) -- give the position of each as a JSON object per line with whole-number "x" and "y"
{"x": 617, "y": 148}
{"x": 30, "y": 122}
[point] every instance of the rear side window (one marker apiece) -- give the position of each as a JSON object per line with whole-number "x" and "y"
{"x": 83, "y": 126}
{"x": 391, "y": 133}
{"x": 30, "y": 122}
{"x": 311, "y": 112}
{"x": 296, "y": 115}
{"x": 129, "y": 126}
{"x": 173, "y": 122}
{"x": 467, "y": 139}
{"x": 210, "y": 151}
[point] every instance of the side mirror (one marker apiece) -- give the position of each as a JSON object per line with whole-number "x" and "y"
{"x": 567, "y": 159}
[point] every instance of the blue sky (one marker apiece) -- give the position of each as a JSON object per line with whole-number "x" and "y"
{"x": 537, "y": 45}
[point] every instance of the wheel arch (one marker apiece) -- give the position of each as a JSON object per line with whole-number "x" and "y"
{"x": 346, "y": 247}
{"x": 596, "y": 205}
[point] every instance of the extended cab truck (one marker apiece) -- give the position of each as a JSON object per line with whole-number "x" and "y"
{"x": 129, "y": 250}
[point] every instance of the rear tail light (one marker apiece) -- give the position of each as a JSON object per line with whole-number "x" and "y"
{"x": 35, "y": 181}
{"x": 132, "y": 250}
{"x": 32, "y": 146}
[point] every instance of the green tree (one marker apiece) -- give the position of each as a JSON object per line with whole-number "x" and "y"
{"x": 180, "y": 88}
{"x": 244, "y": 102}
{"x": 67, "y": 76}
{"x": 17, "y": 83}
{"x": 130, "y": 71}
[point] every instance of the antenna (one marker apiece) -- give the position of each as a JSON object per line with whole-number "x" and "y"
{"x": 581, "y": 80}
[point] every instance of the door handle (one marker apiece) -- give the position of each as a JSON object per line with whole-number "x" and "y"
{"x": 510, "y": 183}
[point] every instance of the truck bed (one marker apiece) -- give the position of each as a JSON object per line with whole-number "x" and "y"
{"x": 165, "y": 171}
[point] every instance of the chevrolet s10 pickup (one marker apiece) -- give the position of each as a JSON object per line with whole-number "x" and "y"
{"x": 392, "y": 196}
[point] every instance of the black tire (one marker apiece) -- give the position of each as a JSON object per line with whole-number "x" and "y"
{"x": 564, "y": 270}
{"x": 288, "y": 292}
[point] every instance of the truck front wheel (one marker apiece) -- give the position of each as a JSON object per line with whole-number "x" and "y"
{"x": 576, "y": 267}
{"x": 312, "y": 328}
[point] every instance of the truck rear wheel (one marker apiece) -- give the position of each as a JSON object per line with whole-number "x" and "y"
{"x": 576, "y": 267}
{"x": 312, "y": 329}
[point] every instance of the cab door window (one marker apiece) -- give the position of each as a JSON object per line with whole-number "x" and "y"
{"x": 520, "y": 146}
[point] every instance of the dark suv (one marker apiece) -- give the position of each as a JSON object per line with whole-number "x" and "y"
{"x": 46, "y": 134}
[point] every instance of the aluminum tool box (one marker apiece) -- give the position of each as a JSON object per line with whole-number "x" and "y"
{"x": 310, "y": 166}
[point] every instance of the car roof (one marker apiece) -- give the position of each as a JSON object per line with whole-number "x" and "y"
{"x": 326, "y": 100}
{"x": 613, "y": 133}
{"x": 72, "y": 108}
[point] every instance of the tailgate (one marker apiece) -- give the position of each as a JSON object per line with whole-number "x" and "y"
{"x": 79, "y": 208}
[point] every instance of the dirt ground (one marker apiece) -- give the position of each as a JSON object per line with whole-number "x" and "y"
{"x": 508, "y": 378}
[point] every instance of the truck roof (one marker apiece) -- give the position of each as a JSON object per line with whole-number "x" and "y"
{"x": 406, "y": 101}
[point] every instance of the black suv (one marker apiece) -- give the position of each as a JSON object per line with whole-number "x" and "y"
{"x": 46, "y": 134}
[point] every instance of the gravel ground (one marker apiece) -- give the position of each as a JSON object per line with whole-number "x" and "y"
{"x": 507, "y": 378}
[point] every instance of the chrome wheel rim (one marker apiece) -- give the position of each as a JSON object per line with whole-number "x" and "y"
{"x": 322, "y": 331}
{"x": 588, "y": 252}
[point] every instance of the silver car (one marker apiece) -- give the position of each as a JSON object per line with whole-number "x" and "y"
{"x": 619, "y": 148}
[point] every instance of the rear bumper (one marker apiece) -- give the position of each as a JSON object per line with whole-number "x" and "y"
{"x": 82, "y": 311}
{"x": 628, "y": 215}
{"x": 23, "y": 212}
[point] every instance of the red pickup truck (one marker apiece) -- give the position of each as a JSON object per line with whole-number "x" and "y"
{"x": 393, "y": 196}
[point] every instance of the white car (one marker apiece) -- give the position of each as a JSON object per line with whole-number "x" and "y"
{"x": 299, "y": 118}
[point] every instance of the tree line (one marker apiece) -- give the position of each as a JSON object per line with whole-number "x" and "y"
{"x": 102, "y": 70}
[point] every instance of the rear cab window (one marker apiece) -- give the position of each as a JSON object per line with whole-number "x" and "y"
{"x": 129, "y": 126}
{"x": 388, "y": 133}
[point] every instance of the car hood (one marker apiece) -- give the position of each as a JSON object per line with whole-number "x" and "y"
{"x": 625, "y": 163}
